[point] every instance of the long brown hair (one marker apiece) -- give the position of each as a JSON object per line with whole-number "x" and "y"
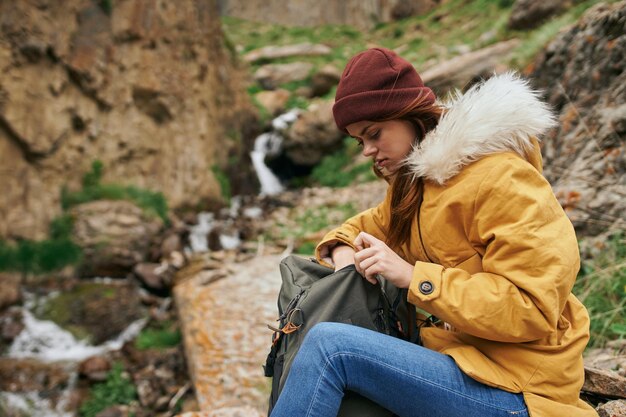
{"x": 406, "y": 192}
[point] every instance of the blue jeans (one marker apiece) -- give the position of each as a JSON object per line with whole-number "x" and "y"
{"x": 404, "y": 378}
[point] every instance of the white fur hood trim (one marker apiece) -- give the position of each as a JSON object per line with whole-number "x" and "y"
{"x": 497, "y": 115}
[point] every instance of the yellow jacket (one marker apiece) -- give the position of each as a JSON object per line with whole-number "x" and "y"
{"x": 497, "y": 257}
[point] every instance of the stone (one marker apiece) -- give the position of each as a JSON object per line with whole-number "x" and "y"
{"x": 114, "y": 236}
{"x": 362, "y": 14}
{"x": 154, "y": 276}
{"x": 275, "y": 52}
{"x": 616, "y": 408}
{"x": 528, "y": 14}
{"x": 114, "y": 411}
{"x": 581, "y": 74}
{"x": 313, "y": 136}
{"x": 605, "y": 383}
{"x": 273, "y": 101}
{"x": 10, "y": 289}
{"x": 465, "y": 69}
{"x": 324, "y": 80}
{"x": 95, "y": 368}
{"x": 11, "y": 325}
{"x": 271, "y": 76}
{"x": 83, "y": 309}
{"x": 23, "y": 375}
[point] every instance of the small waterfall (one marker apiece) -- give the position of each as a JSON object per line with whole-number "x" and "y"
{"x": 270, "y": 143}
{"x": 46, "y": 342}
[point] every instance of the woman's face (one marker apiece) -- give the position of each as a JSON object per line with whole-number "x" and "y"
{"x": 387, "y": 143}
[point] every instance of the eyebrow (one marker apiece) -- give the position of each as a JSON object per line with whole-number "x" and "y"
{"x": 364, "y": 129}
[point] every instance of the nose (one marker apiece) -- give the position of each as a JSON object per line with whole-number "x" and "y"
{"x": 368, "y": 149}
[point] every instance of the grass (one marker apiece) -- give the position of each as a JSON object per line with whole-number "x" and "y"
{"x": 337, "y": 170}
{"x": 161, "y": 336}
{"x": 303, "y": 227}
{"x": 117, "y": 389}
{"x": 601, "y": 287}
{"x": 151, "y": 202}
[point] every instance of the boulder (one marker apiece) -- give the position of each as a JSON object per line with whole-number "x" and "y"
{"x": 275, "y": 52}
{"x": 463, "y": 70}
{"x": 155, "y": 276}
{"x": 528, "y": 14}
{"x": 271, "y": 76}
{"x": 114, "y": 236}
{"x": 582, "y": 74}
{"x": 362, "y": 14}
{"x": 25, "y": 375}
{"x": 313, "y": 136}
{"x": 83, "y": 310}
{"x": 615, "y": 408}
{"x": 273, "y": 101}
{"x": 324, "y": 80}
{"x": 95, "y": 368}
{"x": 10, "y": 289}
{"x": 605, "y": 383}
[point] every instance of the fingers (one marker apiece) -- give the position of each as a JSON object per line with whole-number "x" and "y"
{"x": 365, "y": 240}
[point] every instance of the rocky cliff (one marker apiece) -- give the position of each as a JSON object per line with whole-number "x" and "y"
{"x": 146, "y": 87}
{"x": 582, "y": 72}
{"x": 363, "y": 14}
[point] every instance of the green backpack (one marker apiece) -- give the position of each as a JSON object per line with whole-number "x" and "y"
{"x": 312, "y": 293}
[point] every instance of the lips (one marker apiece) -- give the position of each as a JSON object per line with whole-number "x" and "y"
{"x": 380, "y": 163}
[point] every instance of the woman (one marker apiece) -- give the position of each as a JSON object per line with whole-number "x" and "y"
{"x": 472, "y": 229}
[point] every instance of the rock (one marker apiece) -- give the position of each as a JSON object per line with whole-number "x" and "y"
{"x": 581, "y": 73}
{"x": 304, "y": 91}
{"x": 140, "y": 89}
{"x": 324, "y": 80}
{"x": 114, "y": 411}
{"x": 275, "y": 52}
{"x": 11, "y": 324}
{"x": 114, "y": 235}
{"x": 615, "y": 408}
{"x": 155, "y": 276}
{"x": 313, "y": 136}
{"x": 273, "y": 101}
{"x": 23, "y": 375}
{"x": 10, "y": 289}
{"x": 612, "y": 357}
{"x": 528, "y": 14}
{"x": 271, "y": 76}
{"x": 605, "y": 383}
{"x": 463, "y": 70}
{"x": 95, "y": 368}
{"x": 84, "y": 309}
{"x": 363, "y": 15}
{"x": 171, "y": 243}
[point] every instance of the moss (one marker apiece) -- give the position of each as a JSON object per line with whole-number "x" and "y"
{"x": 223, "y": 181}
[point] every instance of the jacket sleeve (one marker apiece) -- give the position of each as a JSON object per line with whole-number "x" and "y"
{"x": 529, "y": 264}
{"x": 373, "y": 221}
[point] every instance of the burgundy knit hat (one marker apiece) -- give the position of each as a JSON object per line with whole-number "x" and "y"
{"x": 375, "y": 84}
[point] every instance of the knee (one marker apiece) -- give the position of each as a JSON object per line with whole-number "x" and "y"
{"x": 327, "y": 337}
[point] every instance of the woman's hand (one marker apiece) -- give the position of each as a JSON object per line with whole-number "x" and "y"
{"x": 375, "y": 257}
{"x": 343, "y": 255}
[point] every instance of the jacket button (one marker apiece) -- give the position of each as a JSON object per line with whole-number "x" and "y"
{"x": 426, "y": 287}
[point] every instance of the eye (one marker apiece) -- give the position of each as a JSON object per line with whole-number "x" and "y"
{"x": 359, "y": 142}
{"x": 375, "y": 134}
